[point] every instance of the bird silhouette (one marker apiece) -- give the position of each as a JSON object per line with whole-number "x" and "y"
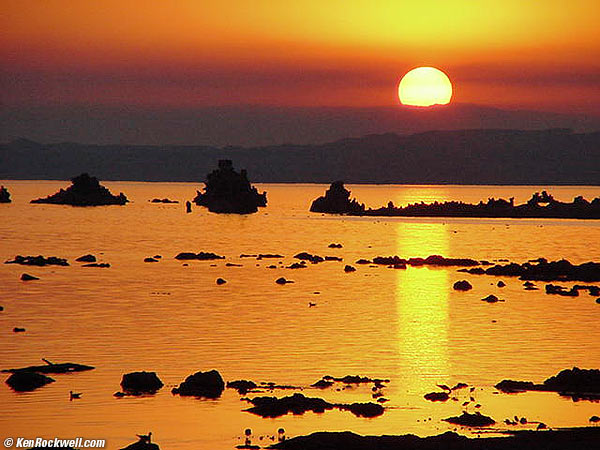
{"x": 74, "y": 395}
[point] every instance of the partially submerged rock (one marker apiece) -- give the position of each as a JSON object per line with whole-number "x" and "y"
{"x": 89, "y": 258}
{"x": 227, "y": 191}
{"x": 348, "y": 268}
{"x": 39, "y": 261}
{"x": 576, "y": 383}
{"x": 27, "y": 277}
{"x": 282, "y": 280}
{"x": 432, "y": 260}
{"x": 163, "y": 200}
{"x": 24, "y": 381}
{"x": 141, "y": 383}
{"x": 84, "y": 191}
{"x": 52, "y": 368}
{"x": 4, "y": 195}
{"x": 491, "y": 299}
{"x": 242, "y": 386}
{"x": 337, "y": 201}
{"x": 471, "y": 420}
{"x": 305, "y": 256}
{"x": 462, "y": 285}
{"x": 298, "y": 404}
{"x": 202, "y": 384}
{"x": 437, "y": 396}
{"x": 201, "y": 256}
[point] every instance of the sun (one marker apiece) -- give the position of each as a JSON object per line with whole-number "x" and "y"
{"x": 425, "y": 86}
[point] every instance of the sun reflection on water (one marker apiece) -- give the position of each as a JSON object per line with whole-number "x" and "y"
{"x": 422, "y": 305}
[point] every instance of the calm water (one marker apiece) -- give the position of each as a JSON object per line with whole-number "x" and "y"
{"x": 409, "y": 326}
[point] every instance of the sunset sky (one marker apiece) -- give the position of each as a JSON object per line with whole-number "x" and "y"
{"x": 522, "y": 54}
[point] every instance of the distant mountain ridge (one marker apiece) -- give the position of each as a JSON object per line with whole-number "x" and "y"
{"x": 477, "y": 156}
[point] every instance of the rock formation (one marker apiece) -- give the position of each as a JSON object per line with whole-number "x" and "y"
{"x": 84, "y": 191}
{"x": 4, "y": 195}
{"x": 337, "y": 201}
{"x": 540, "y": 205}
{"x": 227, "y": 191}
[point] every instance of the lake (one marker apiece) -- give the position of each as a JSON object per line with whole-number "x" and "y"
{"x": 406, "y": 325}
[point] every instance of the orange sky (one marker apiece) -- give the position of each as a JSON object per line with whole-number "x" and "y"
{"x": 529, "y": 54}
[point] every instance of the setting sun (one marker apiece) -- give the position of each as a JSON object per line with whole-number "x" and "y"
{"x": 425, "y": 86}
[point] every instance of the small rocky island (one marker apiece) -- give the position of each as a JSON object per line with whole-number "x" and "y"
{"x": 84, "y": 191}
{"x": 4, "y": 195}
{"x": 337, "y": 201}
{"x": 540, "y": 205}
{"x": 228, "y": 191}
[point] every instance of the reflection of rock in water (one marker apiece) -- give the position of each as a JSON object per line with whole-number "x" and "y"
{"x": 4, "y": 195}
{"x": 228, "y": 191}
{"x": 84, "y": 191}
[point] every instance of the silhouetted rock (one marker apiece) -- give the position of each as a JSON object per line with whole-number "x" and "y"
{"x": 491, "y": 299}
{"x": 576, "y": 383}
{"x": 227, "y": 191}
{"x": 297, "y": 404}
{"x": 462, "y": 285}
{"x": 437, "y": 396}
{"x": 4, "y": 195}
{"x": 141, "y": 445}
{"x": 52, "y": 368}
{"x": 221, "y": 281}
{"x": 571, "y": 439}
{"x": 349, "y": 268}
{"x": 501, "y": 284}
{"x": 202, "y": 256}
{"x": 322, "y": 384}
{"x": 39, "y": 261}
{"x": 150, "y": 260}
{"x": 23, "y": 381}
{"x": 334, "y": 245}
{"x": 337, "y": 201}
{"x": 363, "y": 409}
{"x": 27, "y": 277}
{"x": 18, "y": 330}
{"x": 333, "y": 258}
{"x": 84, "y": 191}
{"x": 202, "y": 384}
{"x": 282, "y": 280}
{"x": 541, "y": 205}
{"x": 141, "y": 382}
{"x": 471, "y": 420}
{"x": 101, "y": 265}
{"x": 542, "y": 270}
{"x": 89, "y": 258}
{"x": 163, "y": 200}
{"x": 432, "y": 260}
{"x": 242, "y": 386}
{"x": 363, "y": 261}
{"x": 305, "y": 256}
{"x": 560, "y": 290}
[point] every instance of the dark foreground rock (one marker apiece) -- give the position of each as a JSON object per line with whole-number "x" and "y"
{"x": 202, "y": 384}
{"x": 475, "y": 420}
{"x": 24, "y": 381}
{"x": 227, "y": 191}
{"x": 569, "y": 439}
{"x": 242, "y": 386}
{"x": 462, "y": 285}
{"x": 337, "y": 201}
{"x": 52, "y": 368}
{"x": 27, "y": 277}
{"x": 4, "y": 195}
{"x": 576, "y": 383}
{"x": 201, "y": 256}
{"x": 142, "y": 445}
{"x": 299, "y": 404}
{"x": 84, "y": 191}
{"x": 432, "y": 260}
{"x": 39, "y": 261}
{"x": 141, "y": 383}
{"x": 163, "y": 200}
